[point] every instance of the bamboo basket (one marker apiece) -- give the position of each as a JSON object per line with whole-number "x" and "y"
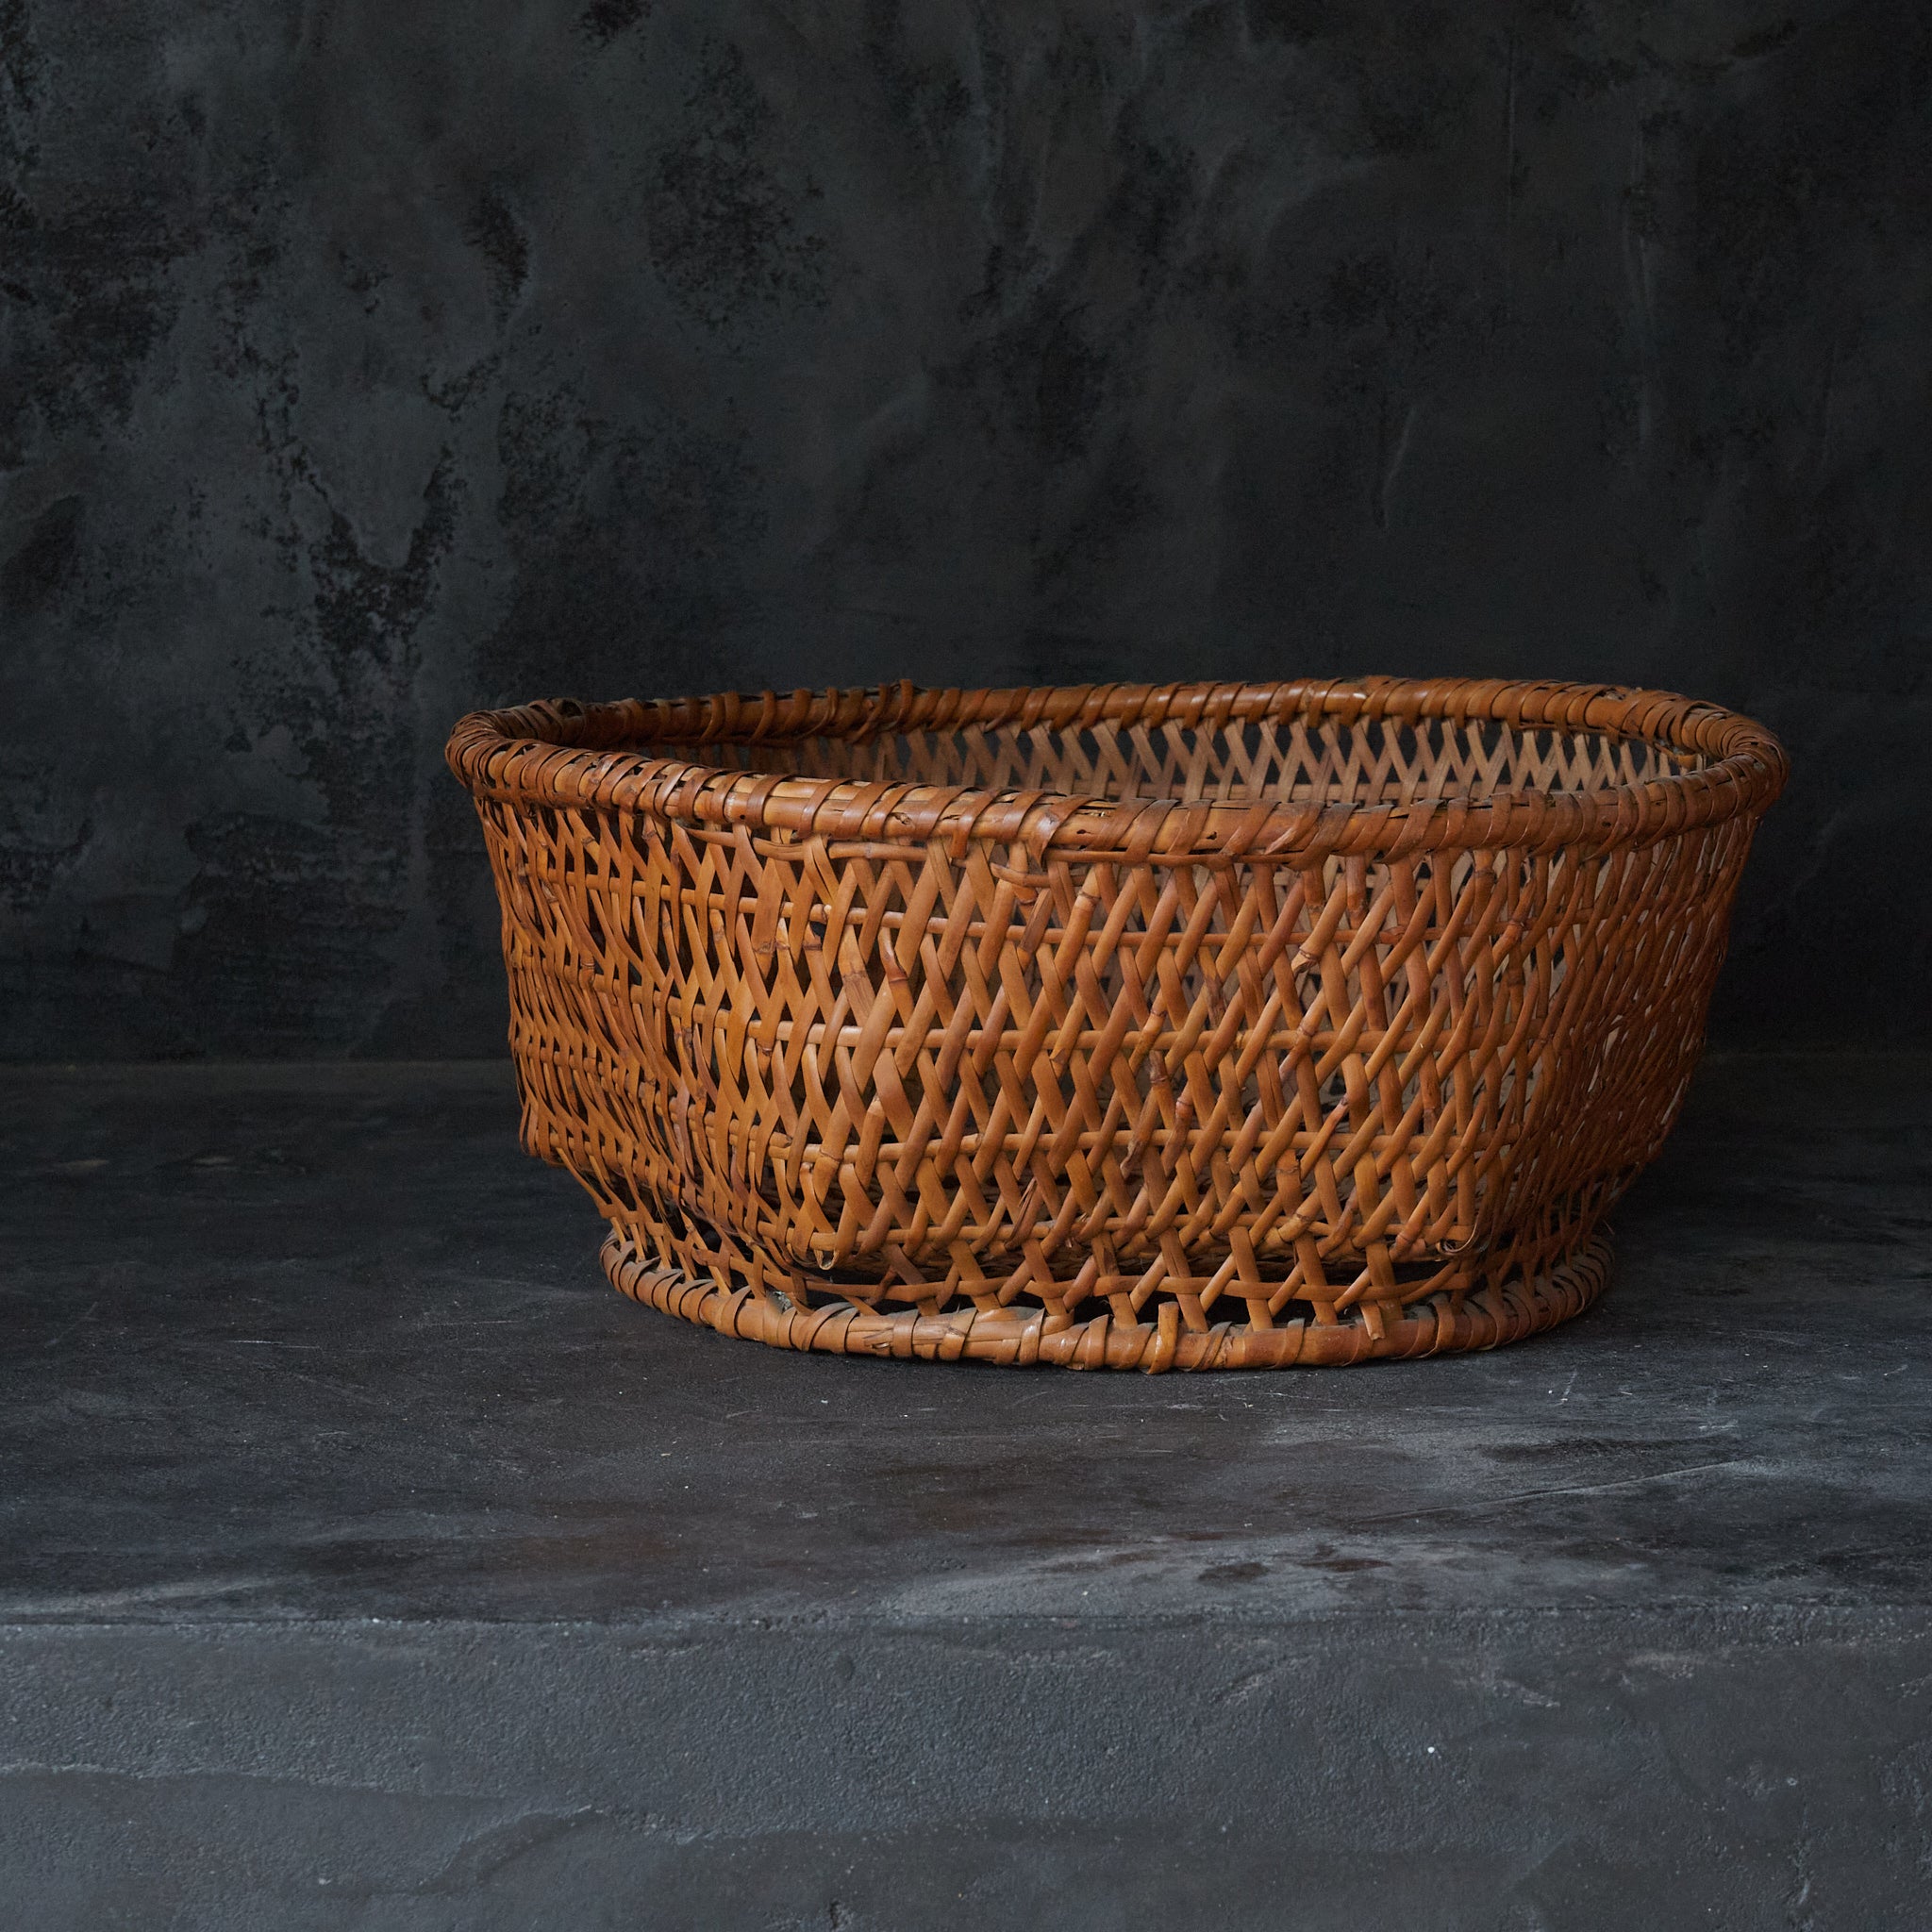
{"x": 1125, "y": 1026}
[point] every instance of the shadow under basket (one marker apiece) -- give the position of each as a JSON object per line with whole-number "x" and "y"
{"x": 1114, "y": 1027}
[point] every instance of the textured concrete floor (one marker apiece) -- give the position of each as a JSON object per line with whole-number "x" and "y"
{"x": 365, "y": 1562}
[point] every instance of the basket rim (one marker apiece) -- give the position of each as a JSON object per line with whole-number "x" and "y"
{"x": 564, "y": 753}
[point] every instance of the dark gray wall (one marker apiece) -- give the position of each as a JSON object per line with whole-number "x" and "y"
{"x": 365, "y": 363}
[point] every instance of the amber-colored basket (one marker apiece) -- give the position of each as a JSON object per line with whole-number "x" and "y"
{"x": 1125, "y": 1026}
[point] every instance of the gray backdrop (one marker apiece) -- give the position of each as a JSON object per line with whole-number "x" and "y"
{"x": 367, "y": 361}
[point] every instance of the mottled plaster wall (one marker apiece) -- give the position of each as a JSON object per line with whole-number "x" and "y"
{"x": 366, "y": 363}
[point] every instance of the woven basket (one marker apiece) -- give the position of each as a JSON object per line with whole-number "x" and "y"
{"x": 1125, "y": 1026}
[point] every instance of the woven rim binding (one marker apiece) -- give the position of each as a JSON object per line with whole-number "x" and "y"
{"x": 562, "y": 752}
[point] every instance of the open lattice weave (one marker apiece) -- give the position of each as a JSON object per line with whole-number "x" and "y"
{"x": 1197, "y": 1025}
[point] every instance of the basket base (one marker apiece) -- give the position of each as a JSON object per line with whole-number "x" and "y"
{"x": 1021, "y": 1337}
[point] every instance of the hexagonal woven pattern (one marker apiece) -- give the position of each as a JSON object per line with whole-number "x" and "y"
{"x": 1198, "y": 1025}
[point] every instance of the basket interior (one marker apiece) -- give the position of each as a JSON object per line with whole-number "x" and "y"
{"x": 1291, "y": 761}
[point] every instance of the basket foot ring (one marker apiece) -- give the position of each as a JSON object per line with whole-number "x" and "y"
{"x": 1021, "y": 1337}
